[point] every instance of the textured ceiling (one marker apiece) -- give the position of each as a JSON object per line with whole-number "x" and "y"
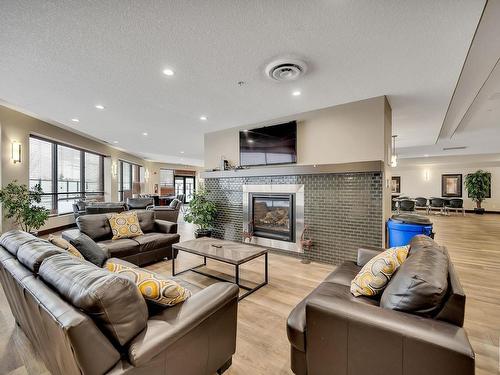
{"x": 60, "y": 58}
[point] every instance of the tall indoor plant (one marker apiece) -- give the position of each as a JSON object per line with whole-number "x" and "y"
{"x": 201, "y": 212}
{"x": 478, "y": 187}
{"x": 20, "y": 204}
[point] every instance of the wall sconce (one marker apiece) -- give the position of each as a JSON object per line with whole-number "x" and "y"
{"x": 146, "y": 174}
{"x": 427, "y": 175}
{"x": 16, "y": 152}
{"x": 114, "y": 169}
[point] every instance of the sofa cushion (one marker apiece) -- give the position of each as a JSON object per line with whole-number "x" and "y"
{"x": 95, "y": 226}
{"x": 153, "y": 241}
{"x": 343, "y": 274}
{"x": 374, "y": 276}
{"x": 32, "y": 253}
{"x": 146, "y": 220}
{"x": 114, "y": 302}
{"x": 154, "y": 288}
{"x": 296, "y": 324}
{"x": 65, "y": 245}
{"x": 13, "y": 239}
{"x": 89, "y": 249}
{"x": 420, "y": 284}
{"x": 124, "y": 225}
{"x": 120, "y": 248}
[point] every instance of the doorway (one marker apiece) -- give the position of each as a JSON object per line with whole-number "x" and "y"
{"x": 185, "y": 185}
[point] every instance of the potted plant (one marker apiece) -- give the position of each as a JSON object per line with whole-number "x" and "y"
{"x": 478, "y": 187}
{"x": 20, "y": 204}
{"x": 201, "y": 212}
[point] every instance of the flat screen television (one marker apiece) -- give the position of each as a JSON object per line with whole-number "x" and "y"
{"x": 275, "y": 144}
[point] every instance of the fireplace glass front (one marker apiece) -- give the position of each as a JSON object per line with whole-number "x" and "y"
{"x": 273, "y": 216}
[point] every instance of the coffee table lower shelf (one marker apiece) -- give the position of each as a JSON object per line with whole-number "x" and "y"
{"x": 236, "y": 281}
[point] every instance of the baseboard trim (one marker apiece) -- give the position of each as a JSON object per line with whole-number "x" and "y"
{"x": 55, "y": 229}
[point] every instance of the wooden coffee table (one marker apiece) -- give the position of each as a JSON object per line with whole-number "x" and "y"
{"x": 229, "y": 252}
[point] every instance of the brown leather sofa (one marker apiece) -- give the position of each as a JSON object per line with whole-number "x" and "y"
{"x": 83, "y": 319}
{"x": 154, "y": 245}
{"x": 332, "y": 332}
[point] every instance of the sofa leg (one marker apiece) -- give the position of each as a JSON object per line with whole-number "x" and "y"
{"x": 225, "y": 366}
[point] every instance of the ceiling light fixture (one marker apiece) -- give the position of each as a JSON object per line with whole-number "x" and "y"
{"x": 99, "y": 106}
{"x": 296, "y": 93}
{"x": 75, "y": 120}
{"x": 203, "y": 118}
{"x": 168, "y": 72}
{"x": 182, "y": 152}
{"x": 250, "y": 141}
{"x": 115, "y": 142}
{"x": 145, "y": 134}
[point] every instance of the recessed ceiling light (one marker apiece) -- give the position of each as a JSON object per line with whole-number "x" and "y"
{"x": 182, "y": 152}
{"x": 203, "y": 118}
{"x": 296, "y": 93}
{"x": 250, "y": 141}
{"x": 99, "y": 106}
{"x": 75, "y": 120}
{"x": 245, "y": 130}
{"x": 115, "y": 142}
{"x": 145, "y": 134}
{"x": 168, "y": 72}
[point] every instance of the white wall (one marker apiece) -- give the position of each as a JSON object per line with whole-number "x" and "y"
{"x": 414, "y": 184}
{"x": 346, "y": 133}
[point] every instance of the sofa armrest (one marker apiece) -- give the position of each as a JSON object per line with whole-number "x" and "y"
{"x": 164, "y": 226}
{"x": 164, "y": 329}
{"x": 71, "y": 234}
{"x": 366, "y": 253}
{"x": 344, "y": 334}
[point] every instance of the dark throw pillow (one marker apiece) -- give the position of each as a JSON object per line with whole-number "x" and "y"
{"x": 420, "y": 284}
{"x": 90, "y": 250}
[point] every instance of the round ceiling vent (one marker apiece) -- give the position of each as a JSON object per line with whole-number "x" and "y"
{"x": 285, "y": 70}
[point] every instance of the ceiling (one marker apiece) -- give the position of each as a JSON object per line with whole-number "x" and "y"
{"x": 59, "y": 59}
{"x": 473, "y": 118}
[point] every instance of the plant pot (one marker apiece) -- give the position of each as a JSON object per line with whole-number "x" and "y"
{"x": 198, "y": 233}
{"x": 479, "y": 211}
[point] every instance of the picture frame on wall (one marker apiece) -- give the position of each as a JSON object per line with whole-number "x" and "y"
{"x": 451, "y": 185}
{"x": 396, "y": 185}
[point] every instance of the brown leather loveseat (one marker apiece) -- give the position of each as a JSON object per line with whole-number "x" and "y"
{"x": 83, "y": 319}
{"x": 331, "y": 332}
{"x": 154, "y": 245}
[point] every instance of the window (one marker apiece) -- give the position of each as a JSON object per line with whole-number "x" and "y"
{"x": 130, "y": 180}
{"x": 40, "y": 169}
{"x": 166, "y": 182}
{"x": 66, "y": 174}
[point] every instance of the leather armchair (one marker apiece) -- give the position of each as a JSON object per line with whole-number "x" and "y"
{"x": 332, "y": 332}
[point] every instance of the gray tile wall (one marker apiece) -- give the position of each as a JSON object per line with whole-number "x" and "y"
{"x": 343, "y": 211}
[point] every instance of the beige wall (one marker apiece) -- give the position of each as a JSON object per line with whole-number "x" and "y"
{"x": 341, "y": 134}
{"x": 16, "y": 126}
{"x": 415, "y": 184}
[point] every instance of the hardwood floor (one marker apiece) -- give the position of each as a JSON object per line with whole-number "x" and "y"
{"x": 262, "y": 346}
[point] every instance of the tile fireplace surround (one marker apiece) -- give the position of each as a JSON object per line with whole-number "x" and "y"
{"x": 342, "y": 210}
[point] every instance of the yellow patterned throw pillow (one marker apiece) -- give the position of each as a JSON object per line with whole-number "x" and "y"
{"x": 63, "y": 244}
{"x": 125, "y": 225}
{"x": 374, "y": 276}
{"x": 161, "y": 291}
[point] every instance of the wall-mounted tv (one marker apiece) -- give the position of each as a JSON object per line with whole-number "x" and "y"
{"x": 275, "y": 144}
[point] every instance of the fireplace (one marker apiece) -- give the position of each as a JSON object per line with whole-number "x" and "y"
{"x": 272, "y": 216}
